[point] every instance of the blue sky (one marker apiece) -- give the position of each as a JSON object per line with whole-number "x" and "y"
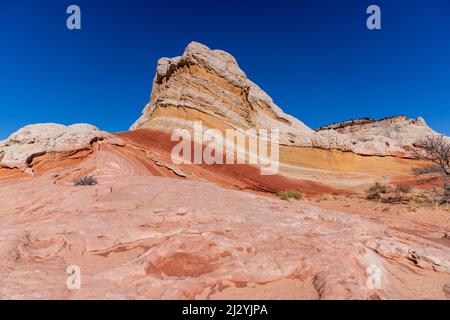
{"x": 316, "y": 59}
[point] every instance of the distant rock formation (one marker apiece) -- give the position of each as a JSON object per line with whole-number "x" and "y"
{"x": 401, "y": 129}
{"x": 208, "y": 85}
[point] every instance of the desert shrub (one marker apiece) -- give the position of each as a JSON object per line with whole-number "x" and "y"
{"x": 447, "y": 193}
{"x": 435, "y": 198}
{"x": 286, "y": 195}
{"x": 447, "y": 190}
{"x": 435, "y": 149}
{"x": 85, "y": 181}
{"x": 403, "y": 189}
{"x": 374, "y": 192}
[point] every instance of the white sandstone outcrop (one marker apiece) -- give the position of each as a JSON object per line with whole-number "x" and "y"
{"x": 38, "y": 139}
{"x": 400, "y": 129}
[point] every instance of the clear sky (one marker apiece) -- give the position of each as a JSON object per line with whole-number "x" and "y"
{"x": 315, "y": 58}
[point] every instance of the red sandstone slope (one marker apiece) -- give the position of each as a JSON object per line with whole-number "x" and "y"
{"x": 147, "y": 152}
{"x": 244, "y": 177}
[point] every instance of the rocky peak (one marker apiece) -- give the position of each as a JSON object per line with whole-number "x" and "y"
{"x": 212, "y": 83}
{"x": 216, "y": 61}
{"x": 209, "y": 86}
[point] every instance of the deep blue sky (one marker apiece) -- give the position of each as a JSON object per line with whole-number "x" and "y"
{"x": 315, "y": 58}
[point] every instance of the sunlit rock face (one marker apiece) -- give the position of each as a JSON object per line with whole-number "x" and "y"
{"x": 153, "y": 229}
{"x": 400, "y": 129}
{"x": 22, "y": 146}
{"x": 208, "y": 85}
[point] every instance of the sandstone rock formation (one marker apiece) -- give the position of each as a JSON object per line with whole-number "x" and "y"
{"x": 400, "y": 129}
{"x": 152, "y": 229}
{"x": 22, "y": 146}
{"x": 139, "y": 236}
{"x": 208, "y": 85}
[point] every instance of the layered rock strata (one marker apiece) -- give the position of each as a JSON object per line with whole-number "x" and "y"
{"x": 209, "y": 86}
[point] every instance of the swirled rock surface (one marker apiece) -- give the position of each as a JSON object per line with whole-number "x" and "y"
{"x": 153, "y": 230}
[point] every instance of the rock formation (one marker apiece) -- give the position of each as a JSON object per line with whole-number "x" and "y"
{"x": 210, "y": 82}
{"x": 140, "y": 236}
{"x": 152, "y": 229}
{"x": 400, "y": 129}
{"x": 22, "y": 146}
{"x": 208, "y": 85}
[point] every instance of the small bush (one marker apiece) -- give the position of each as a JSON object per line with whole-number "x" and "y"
{"x": 403, "y": 189}
{"x": 286, "y": 195}
{"x": 446, "y": 196}
{"x": 434, "y": 198}
{"x": 447, "y": 190}
{"x": 85, "y": 181}
{"x": 374, "y": 192}
{"x": 435, "y": 149}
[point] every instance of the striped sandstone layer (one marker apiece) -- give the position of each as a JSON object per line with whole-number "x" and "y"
{"x": 209, "y": 86}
